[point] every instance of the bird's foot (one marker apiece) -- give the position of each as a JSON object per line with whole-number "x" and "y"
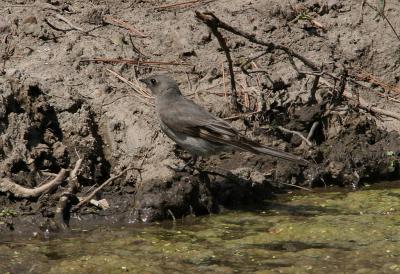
{"x": 180, "y": 168}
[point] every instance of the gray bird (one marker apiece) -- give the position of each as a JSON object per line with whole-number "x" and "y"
{"x": 197, "y": 130}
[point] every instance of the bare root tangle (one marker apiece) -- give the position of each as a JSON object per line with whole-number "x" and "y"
{"x": 214, "y": 28}
{"x": 109, "y": 181}
{"x": 211, "y": 20}
{"x": 7, "y": 185}
{"x": 361, "y": 103}
{"x": 73, "y": 186}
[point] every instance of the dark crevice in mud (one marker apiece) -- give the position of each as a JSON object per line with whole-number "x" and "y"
{"x": 102, "y": 167}
{"x": 19, "y": 166}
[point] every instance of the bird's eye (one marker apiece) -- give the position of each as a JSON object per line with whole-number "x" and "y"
{"x": 153, "y": 81}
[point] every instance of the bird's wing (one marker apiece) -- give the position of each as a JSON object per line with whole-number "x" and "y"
{"x": 187, "y": 117}
{"x": 195, "y": 121}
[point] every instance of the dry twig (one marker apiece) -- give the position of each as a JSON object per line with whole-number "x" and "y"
{"x": 209, "y": 20}
{"x": 183, "y": 4}
{"x": 297, "y": 186}
{"x": 94, "y": 192}
{"x": 241, "y": 115}
{"x": 123, "y": 24}
{"x": 137, "y": 62}
{"x": 296, "y": 133}
{"x": 143, "y": 95}
{"x": 69, "y": 23}
{"x": 381, "y": 12}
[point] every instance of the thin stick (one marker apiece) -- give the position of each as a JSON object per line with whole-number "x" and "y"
{"x": 250, "y": 60}
{"x": 7, "y": 185}
{"x": 172, "y": 215}
{"x": 223, "y": 80}
{"x": 69, "y": 23}
{"x": 382, "y": 13}
{"x": 134, "y": 61}
{"x": 313, "y": 90}
{"x": 175, "y": 5}
{"x": 301, "y": 187}
{"x": 91, "y": 195}
{"x": 213, "y": 25}
{"x": 123, "y": 24}
{"x": 296, "y": 133}
{"x": 361, "y": 16}
{"x": 260, "y": 95}
{"x": 135, "y": 48}
{"x": 136, "y": 87}
{"x": 241, "y": 115}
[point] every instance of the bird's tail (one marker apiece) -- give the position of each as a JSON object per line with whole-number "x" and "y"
{"x": 260, "y": 149}
{"x": 257, "y": 148}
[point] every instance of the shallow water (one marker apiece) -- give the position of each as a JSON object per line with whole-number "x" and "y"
{"x": 332, "y": 232}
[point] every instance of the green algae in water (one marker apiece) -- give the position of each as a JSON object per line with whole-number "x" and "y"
{"x": 317, "y": 233}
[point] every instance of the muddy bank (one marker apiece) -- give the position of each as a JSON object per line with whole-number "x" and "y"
{"x": 58, "y": 105}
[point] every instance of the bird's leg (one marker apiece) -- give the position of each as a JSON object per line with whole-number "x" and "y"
{"x": 191, "y": 163}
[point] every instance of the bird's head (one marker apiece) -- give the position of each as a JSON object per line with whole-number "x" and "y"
{"x": 161, "y": 85}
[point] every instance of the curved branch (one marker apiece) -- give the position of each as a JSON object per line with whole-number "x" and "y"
{"x": 7, "y": 185}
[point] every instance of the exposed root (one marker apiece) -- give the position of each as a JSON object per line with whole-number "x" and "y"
{"x": 214, "y": 22}
{"x": 296, "y": 133}
{"x": 7, "y": 185}
{"x": 61, "y": 210}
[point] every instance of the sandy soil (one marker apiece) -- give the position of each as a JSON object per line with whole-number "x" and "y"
{"x": 56, "y": 107}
